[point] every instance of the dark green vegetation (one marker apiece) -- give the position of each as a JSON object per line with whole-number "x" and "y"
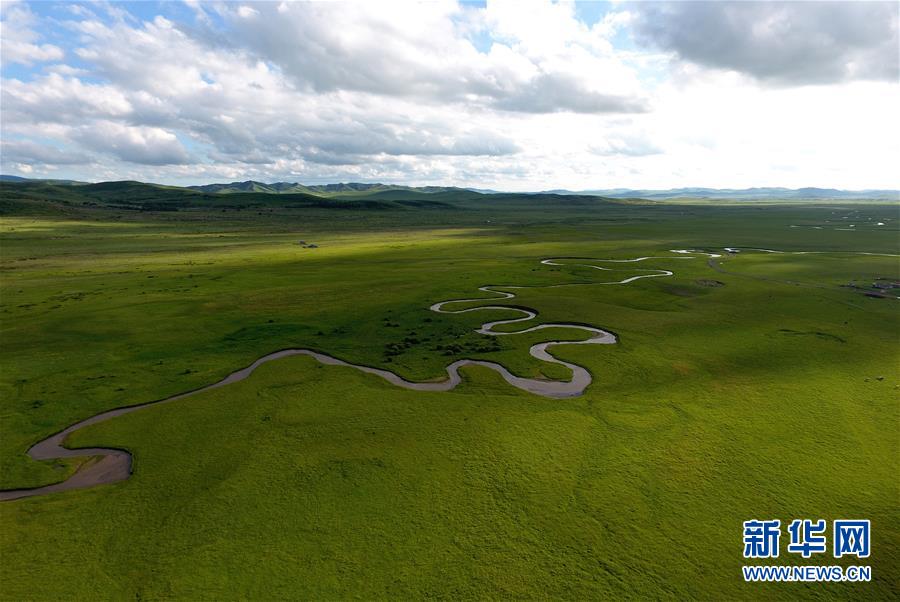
{"x": 759, "y": 387}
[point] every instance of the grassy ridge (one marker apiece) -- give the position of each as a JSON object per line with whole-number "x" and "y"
{"x": 758, "y": 398}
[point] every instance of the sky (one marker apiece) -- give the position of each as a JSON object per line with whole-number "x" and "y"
{"x": 510, "y": 95}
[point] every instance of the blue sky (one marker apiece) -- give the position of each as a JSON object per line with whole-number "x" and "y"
{"x": 514, "y": 95}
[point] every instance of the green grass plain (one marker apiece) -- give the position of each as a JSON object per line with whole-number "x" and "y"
{"x": 757, "y": 399}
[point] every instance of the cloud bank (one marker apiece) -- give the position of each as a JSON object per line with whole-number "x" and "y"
{"x": 645, "y": 95}
{"x": 785, "y": 43}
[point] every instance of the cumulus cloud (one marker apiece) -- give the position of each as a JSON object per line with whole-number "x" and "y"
{"x": 138, "y": 144}
{"x": 439, "y": 92}
{"x": 160, "y": 77}
{"x": 60, "y": 99}
{"x": 18, "y": 39}
{"x": 782, "y": 43}
{"x": 422, "y": 51}
{"x": 28, "y": 152}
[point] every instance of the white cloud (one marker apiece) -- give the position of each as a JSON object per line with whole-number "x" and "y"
{"x": 236, "y": 104}
{"x": 137, "y": 144}
{"x": 29, "y": 152}
{"x": 418, "y": 50}
{"x": 18, "y": 39}
{"x": 438, "y": 92}
{"x": 59, "y": 99}
{"x": 784, "y": 43}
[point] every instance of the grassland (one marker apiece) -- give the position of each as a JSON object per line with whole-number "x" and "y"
{"x": 774, "y": 395}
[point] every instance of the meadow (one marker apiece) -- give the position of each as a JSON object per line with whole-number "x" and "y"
{"x": 757, "y": 385}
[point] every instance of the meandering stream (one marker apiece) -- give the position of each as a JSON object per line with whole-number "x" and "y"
{"x": 112, "y": 465}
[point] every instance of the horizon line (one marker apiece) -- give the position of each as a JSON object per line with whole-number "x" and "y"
{"x": 14, "y": 177}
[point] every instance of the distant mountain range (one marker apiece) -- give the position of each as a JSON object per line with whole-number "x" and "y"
{"x": 618, "y": 193}
{"x": 740, "y": 193}
{"x": 365, "y": 189}
{"x": 318, "y": 189}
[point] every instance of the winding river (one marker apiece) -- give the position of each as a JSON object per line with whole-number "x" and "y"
{"x": 107, "y": 465}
